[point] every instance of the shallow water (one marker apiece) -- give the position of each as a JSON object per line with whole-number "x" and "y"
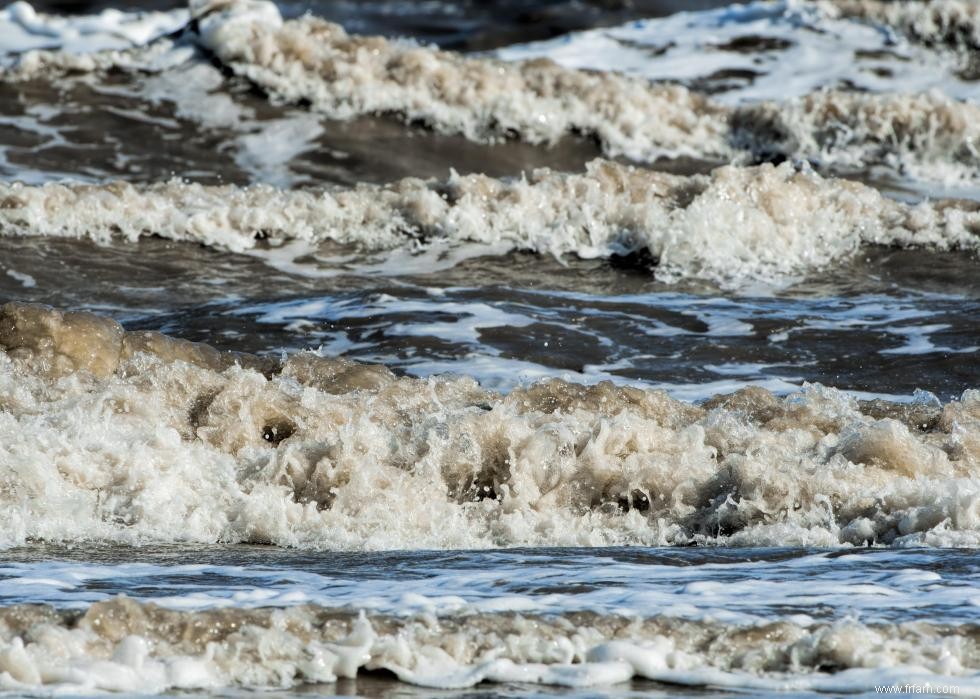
{"x": 180, "y": 520}
{"x": 735, "y": 585}
{"x": 511, "y": 320}
{"x": 733, "y": 588}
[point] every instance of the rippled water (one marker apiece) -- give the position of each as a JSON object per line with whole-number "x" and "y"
{"x": 885, "y": 324}
{"x": 869, "y": 585}
{"x": 135, "y": 497}
{"x": 719, "y": 586}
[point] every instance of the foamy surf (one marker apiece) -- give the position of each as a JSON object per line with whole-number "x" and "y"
{"x": 23, "y": 29}
{"x": 342, "y": 76}
{"x": 773, "y": 50}
{"x": 735, "y": 225}
{"x": 927, "y": 136}
{"x": 526, "y": 507}
{"x": 115, "y": 436}
{"x": 122, "y": 645}
{"x": 955, "y": 23}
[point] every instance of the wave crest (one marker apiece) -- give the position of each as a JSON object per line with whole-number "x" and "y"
{"x": 735, "y": 225}
{"x": 315, "y": 61}
{"x": 312, "y": 61}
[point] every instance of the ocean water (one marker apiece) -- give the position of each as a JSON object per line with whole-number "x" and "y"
{"x": 490, "y": 349}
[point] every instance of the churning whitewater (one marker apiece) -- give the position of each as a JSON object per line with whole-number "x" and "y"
{"x": 952, "y": 22}
{"x": 504, "y": 231}
{"x": 927, "y": 136}
{"x": 789, "y": 221}
{"x": 136, "y": 437}
{"x": 539, "y": 101}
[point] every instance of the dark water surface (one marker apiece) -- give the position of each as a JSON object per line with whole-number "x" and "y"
{"x": 887, "y": 323}
{"x": 464, "y": 25}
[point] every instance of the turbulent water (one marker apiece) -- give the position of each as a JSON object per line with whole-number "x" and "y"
{"x": 565, "y": 348}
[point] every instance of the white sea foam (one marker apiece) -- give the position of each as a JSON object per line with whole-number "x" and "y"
{"x": 141, "y": 432}
{"x": 155, "y": 57}
{"x": 267, "y": 151}
{"x": 311, "y": 60}
{"x": 26, "y": 280}
{"x": 736, "y": 225}
{"x": 344, "y": 76}
{"x": 927, "y": 136}
{"x": 955, "y": 23}
{"x": 264, "y": 148}
{"x": 124, "y": 646}
{"x": 134, "y": 438}
{"x": 325, "y": 320}
{"x": 23, "y": 29}
{"x": 762, "y": 51}
{"x": 38, "y": 46}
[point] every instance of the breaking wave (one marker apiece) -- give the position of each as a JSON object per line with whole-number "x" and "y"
{"x": 312, "y": 60}
{"x": 734, "y": 225}
{"x": 345, "y": 76}
{"x": 309, "y": 60}
{"x": 137, "y": 437}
